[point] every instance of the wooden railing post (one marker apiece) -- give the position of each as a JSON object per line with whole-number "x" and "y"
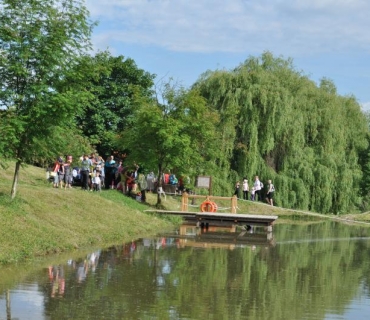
{"x": 234, "y": 204}
{"x": 184, "y": 202}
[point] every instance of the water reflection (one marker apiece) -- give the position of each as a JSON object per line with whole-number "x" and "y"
{"x": 314, "y": 270}
{"x": 223, "y": 237}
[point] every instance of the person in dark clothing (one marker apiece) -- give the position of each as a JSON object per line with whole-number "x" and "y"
{"x": 237, "y": 189}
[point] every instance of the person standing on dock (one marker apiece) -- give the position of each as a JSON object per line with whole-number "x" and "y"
{"x": 270, "y": 193}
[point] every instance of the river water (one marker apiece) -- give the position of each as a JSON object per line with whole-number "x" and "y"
{"x": 304, "y": 270}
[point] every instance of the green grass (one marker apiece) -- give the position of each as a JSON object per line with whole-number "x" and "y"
{"x": 43, "y": 220}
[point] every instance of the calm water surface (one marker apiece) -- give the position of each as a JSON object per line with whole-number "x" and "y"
{"x": 310, "y": 270}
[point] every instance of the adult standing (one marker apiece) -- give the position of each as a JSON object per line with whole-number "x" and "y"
{"x": 237, "y": 189}
{"x": 110, "y": 170}
{"x": 257, "y": 187}
{"x": 68, "y": 173}
{"x": 61, "y": 173}
{"x": 85, "y": 172}
{"x": 270, "y": 193}
{"x": 150, "y": 179}
{"x": 245, "y": 189}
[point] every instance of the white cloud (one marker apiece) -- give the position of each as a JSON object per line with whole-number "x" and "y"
{"x": 287, "y": 27}
{"x": 365, "y": 106}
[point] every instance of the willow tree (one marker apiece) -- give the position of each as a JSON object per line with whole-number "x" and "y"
{"x": 278, "y": 124}
{"x": 174, "y": 131}
{"x": 40, "y": 42}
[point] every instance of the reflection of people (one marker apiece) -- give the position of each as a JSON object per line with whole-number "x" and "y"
{"x": 56, "y": 276}
{"x": 270, "y": 193}
{"x": 82, "y": 269}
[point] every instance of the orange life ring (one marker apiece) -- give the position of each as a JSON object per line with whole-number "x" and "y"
{"x": 207, "y": 206}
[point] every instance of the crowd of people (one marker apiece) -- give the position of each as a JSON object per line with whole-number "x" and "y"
{"x": 255, "y": 193}
{"x": 94, "y": 173}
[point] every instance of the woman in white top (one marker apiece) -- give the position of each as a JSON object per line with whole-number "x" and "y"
{"x": 245, "y": 189}
{"x": 257, "y": 186}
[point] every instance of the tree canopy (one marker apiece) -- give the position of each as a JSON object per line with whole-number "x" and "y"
{"x": 261, "y": 118}
{"x": 40, "y": 42}
{"x": 174, "y": 133}
{"x": 278, "y": 124}
{"x": 116, "y": 84}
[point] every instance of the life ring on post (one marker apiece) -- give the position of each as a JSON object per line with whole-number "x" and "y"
{"x": 207, "y": 206}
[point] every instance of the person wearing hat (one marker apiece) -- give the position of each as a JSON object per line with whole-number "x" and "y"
{"x": 245, "y": 189}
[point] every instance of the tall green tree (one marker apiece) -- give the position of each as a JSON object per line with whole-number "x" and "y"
{"x": 175, "y": 131}
{"x": 280, "y": 125}
{"x": 115, "y": 83}
{"x": 40, "y": 42}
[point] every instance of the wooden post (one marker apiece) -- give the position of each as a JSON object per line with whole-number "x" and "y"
{"x": 234, "y": 204}
{"x": 184, "y": 202}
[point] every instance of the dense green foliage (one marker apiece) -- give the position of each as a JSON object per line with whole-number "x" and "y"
{"x": 116, "y": 85}
{"x": 176, "y": 134}
{"x": 276, "y": 123}
{"x": 40, "y": 42}
{"x": 262, "y": 118}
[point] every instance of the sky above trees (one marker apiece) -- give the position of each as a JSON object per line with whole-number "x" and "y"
{"x": 182, "y": 39}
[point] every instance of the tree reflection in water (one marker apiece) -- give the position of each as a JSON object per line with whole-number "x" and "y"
{"x": 210, "y": 273}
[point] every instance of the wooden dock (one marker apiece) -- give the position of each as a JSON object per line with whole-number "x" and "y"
{"x": 223, "y": 219}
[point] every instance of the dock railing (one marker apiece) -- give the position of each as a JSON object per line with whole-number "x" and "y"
{"x": 185, "y": 201}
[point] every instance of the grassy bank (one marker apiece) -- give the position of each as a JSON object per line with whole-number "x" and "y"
{"x": 44, "y": 220}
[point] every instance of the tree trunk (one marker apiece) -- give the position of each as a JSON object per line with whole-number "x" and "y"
{"x": 15, "y": 179}
{"x": 160, "y": 185}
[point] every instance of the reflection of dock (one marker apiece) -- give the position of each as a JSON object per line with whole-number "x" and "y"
{"x": 221, "y": 237}
{"x": 206, "y": 219}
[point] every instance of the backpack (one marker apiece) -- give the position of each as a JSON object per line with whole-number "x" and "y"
{"x": 173, "y": 179}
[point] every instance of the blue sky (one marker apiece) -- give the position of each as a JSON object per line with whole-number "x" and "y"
{"x": 184, "y": 38}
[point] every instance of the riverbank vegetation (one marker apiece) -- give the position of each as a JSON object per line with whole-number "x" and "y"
{"x": 264, "y": 117}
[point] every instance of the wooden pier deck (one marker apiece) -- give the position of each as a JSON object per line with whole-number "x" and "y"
{"x": 223, "y": 219}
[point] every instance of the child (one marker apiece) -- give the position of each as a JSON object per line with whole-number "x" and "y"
{"x": 96, "y": 182}
{"x": 253, "y": 192}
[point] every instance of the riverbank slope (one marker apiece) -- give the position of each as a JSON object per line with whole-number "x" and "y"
{"x": 43, "y": 220}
